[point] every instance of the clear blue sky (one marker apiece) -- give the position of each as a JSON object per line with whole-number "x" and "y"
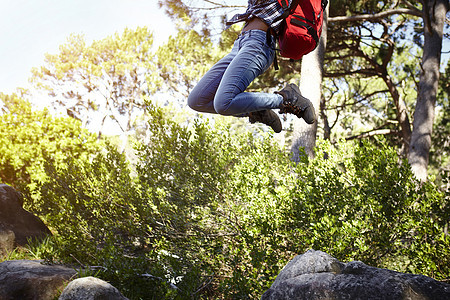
{"x": 31, "y": 28}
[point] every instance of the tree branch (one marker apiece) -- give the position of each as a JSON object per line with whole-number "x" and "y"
{"x": 409, "y": 5}
{"x": 365, "y": 98}
{"x": 366, "y": 72}
{"x": 223, "y": 5}
{"x": 215, "y": 5}
{"x": 374, "y": 17}
{"x": 373, "y": 133}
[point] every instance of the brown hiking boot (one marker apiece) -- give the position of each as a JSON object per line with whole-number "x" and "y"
{"x": 268, "y": 117}
{"x": 295, "y": 103}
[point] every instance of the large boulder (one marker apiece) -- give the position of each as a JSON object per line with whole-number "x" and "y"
{"x": 31, "y": 280}
{"x": 16, "y": 222}
{"x": 316, "y": 275}
{"x": 90, "y": 288}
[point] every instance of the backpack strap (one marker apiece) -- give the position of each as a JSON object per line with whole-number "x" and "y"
{"x": 308, "y": 27}
{"x": 288, "y": 9}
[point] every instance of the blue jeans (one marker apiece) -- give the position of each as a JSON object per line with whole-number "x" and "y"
{"x": 221, "y": 90}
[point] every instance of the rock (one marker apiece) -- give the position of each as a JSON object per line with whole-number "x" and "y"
{"x": 90, "y": 288}
{"x": 14, "y": 218}
{"x": 30, "y": 280}
{"x": 316, "y": 275}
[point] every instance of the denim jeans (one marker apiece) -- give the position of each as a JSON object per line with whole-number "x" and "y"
{"x": 221, "y": 90}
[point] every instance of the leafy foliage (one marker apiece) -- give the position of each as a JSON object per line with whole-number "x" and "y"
{"x": 31, "y": 138}
{"x": 214, "y": 214}
{"x": 107, "y": 78}
{"x": 184, "y": 59}
{"x": 209, "y": 212}
{"x": 440, "y": 151}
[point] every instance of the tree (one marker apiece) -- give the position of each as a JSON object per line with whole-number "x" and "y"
{"x": 440, "y": 151}
{"x": 183, "y": 60}
{"x": 304, "y": 136}
{"x": 372, "y": 33}
{"x": 108, "y": 78}
{"x": 203, "y": 13}
{"x": 434, "y": 12}
{"x": 423, "y": 122}
{"x": 31, "y": 139}
{"x": 372, "y": 49}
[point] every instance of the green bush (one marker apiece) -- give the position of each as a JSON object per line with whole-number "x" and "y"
{"x": 214, "y": 214}
{"x": 30, "y": 138}
{"x": 363, "y": 203}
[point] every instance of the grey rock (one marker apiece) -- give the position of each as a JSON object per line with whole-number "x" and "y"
{"x": 32, "y": 280}
{"x": 90, "y": 288}
{"x": 14, "y": 218}
{"x": 316, "y": 275}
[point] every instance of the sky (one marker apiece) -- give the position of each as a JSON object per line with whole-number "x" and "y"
{"x": 31, "y": 28}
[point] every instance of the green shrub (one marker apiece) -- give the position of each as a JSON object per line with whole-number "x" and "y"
{"x": 30, "y": 138}
{"x": 215, "y": 214}
{"x": 362, "y": 202}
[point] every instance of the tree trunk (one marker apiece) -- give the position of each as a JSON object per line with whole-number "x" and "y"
{"x": 402, "y": 115}
{"x": 434, "y": 12}
{"x": 304, "y": 135}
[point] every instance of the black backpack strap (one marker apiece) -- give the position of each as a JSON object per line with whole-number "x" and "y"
{"x": 308, "y": 27}
{"x": 269, "y": 41}
{"x": 275, "y": 62}
{"x": 288, "y": 9}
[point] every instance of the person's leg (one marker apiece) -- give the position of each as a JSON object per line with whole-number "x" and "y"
{"x": 254, "y": 57}
{"x": 201, "y": 98}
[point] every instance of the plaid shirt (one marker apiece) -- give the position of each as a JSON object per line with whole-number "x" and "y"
{"x": 266, "y": 10}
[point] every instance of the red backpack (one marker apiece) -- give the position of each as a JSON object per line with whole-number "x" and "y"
{"x": 301, "y": 28}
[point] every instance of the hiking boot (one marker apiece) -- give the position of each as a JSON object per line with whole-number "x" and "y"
{"x": 295, "y": 103}
{"x": 268, "y": 117}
